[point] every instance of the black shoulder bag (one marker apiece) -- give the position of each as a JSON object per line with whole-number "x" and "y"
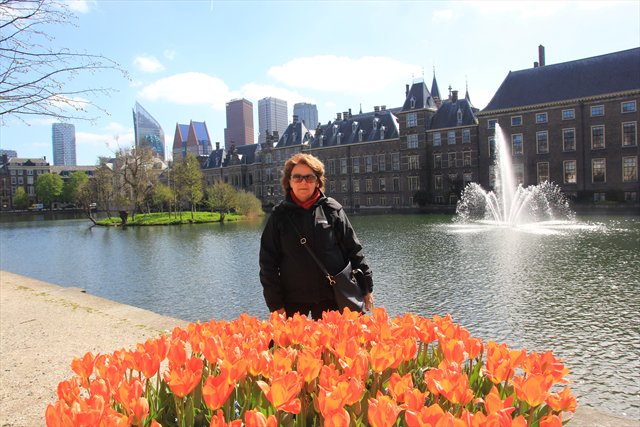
{"x": 345, "y": 284}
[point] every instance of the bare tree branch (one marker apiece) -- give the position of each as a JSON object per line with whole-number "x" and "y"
{"x": 35, "y": 76}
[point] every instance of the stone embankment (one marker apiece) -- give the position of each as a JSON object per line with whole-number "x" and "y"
{"x": 44, "y": 326}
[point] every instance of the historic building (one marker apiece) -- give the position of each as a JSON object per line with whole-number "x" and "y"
{"x": 19, "y": 172}
{"x": 192, "y": 138}
{"x": 573, "y": 123}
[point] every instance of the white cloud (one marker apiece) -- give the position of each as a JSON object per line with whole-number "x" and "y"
{"x": 81, "y": 6}
{"x": 343, "y": 74}
{"x": 112, "y": 137}
{"x": 148, "y": 64}
{"x": 189, "y": 89}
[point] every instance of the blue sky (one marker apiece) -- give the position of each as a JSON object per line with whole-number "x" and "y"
{"x": 186, "y": 59}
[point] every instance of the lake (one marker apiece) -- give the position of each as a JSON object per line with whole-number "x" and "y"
{"x": 570, "y": 288}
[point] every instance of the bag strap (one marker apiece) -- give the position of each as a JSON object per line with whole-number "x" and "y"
{"x": 303, "y": 242}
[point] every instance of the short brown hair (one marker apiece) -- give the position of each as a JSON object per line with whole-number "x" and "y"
{"x": 313, "y": 162}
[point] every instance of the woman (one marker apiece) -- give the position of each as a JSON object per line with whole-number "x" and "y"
{"x": 291, "y": 279}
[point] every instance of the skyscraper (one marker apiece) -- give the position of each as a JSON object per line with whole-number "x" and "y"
{"x": 148, "y": 132}
{"x": 239, "y": 128}
{"x": 307, "y": 114}
{"x": 63, "y": 137}
{"x": 272, "y": 116}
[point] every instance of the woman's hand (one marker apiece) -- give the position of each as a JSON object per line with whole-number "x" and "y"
{"x": 368, "y": 301}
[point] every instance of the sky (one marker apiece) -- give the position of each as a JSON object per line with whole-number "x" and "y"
{"x": 186, "y": 59}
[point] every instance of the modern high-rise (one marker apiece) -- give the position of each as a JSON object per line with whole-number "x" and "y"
{"x": 239, "y": 128}
{"x": 63, "y": 137}
{"x": 147, "y": 131}
{"x": 307, "y": 114}
{"x": 272, "y": 117}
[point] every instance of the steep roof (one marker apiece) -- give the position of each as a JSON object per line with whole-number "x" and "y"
{"x": 435, "y": 92}
{"x": 610, "y": 73}
{"x": 373, "y": 126}
{"x": 447, "y": 114}
{"x": 418, "y": 98}
{"x": 200, "y": 129}
{"x": 295, "y": 134}
{"x": 180, "y": 137}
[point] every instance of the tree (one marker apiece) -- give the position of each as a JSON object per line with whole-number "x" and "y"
{"x": 188, "y": 179}
{"x": 248, "y": 204}
{"x": 36, "y": 78}
{"x": 221, "y": 198}
{"x": 78, "y": 190}
{"x": 102, "y": 186}
{"x": 72, "y": 186}
{"x": 20, "y": 199}
{"x": 162, "y": 195}
{"x": 49, "y": 188}
{"x": 137, "y": 175}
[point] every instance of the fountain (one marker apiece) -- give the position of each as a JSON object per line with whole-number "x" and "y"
{"x": 512, "y": 205}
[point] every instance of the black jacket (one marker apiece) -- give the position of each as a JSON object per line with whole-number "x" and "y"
{"x": 287, "y": 270}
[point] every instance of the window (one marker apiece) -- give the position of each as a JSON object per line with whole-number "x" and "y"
{"x": 491, "y": 123}
{"x": 396, "y": 183}
{"x": 412, "y": 120}
{"x": 414, "y": 162}
{"x": 631, "y": 196}
{"x": 629, "y": 136}
{"x": 437, "y": 160}
{"x": 395, "y": 161}
{"x": 543, "y": 172}
{"x": 597, "y": 137}
{"x": 569, "y": 139}
{"x": 368, "y": 185}
{"x": 382, "y": 184}
{"x": 382, "y": 129}
{"x": 412, "y": 102}
{"x": 598, "y": 170}
{"x": 466, "y": 158}
{"x": 630, "y": 169}
{"x": 20, "y": 180}
{"x": 354, "y": 127}
{"x": 355, "y": 164}
{"x": 339, "y": 138}
{"x": 360, "y": 135}
{"x": 356, "y": 185}
{"x": 467, "y": 178}
{"x": 541, "y": 117}
{"x": 331, "y": 167}
{"x": 437, "y": 139}
{"x": 343, "y": 186}
{"x": 382, "y": 166}
{"x": 14, "y": 180}
{"x": 343, "y": 166}
{"x": 516, "y": 144}
{"x": 29, "y": 180}
{"x": 492, "y": 146}
{"x": 599, "y": 197}
{"x": 628, "y": 106}
{"x": 412, "y": 140}
{"x": 30, "y": 172}
{"x": 369, "y": 201}
{"x": 451, "y": 159}
{"x": 568, "y": 114}
{"x": 597, "y": 110}
{"x": 516, "y": 121}
{"x": 368, "y": 163}
{"x": 437, "y": 182}
{"x": 466, "y": 136}
{"x": 414, "y": 184}
{"x": 542, "y": 142}
{"x": 383, "y": 201}
{"x": 451, "y": 137}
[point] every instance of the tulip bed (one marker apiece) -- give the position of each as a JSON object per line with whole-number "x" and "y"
{"x": 343, "y": 370}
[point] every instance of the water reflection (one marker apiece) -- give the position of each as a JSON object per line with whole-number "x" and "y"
{"x": 574, "y": 291}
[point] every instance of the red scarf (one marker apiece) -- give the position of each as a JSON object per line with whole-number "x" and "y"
{"x": 306, "y": 205}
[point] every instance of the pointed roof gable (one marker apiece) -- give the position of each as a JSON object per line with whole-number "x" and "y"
{"x": 418, "y": 98}
{"x": 435, "y": 92}
{"x": 598, "y": 75}
{"x": 180, "y": 137}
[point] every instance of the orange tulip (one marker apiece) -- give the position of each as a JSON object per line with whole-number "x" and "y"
{"x": 453, "y": 350}
{"x": 414, "y": 399}
{"x": 453, "y": 385}
{"x": 383, "y": 356}
{"x": 69, "y": 391}
{"x": 563, "y": 401}
{"x": 551, "y": 421}
{"x": 398, "y": 386}
{"x": 254, "y": 418}
{"x": 216, "y": 391}
{"x": 501, "y": 362}
{"x": 546, "y": 364}
{"x": 308, "y": 365}
{"x": 383, "y": 411}
{"x": 128, "y": 393}
{"x": 533, "y": 389}
{"x": 337, "y": 418}
{"x": 84, "y": 367}
{"x": 283, "y": 391}
{"x": 426, "y": 416}
{"x": 183, "y": 379}
{"x": 177, "y": 353}
{"x": 218, "y": 421}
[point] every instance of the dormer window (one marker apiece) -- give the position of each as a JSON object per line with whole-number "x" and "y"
{"x": 382, "y": 129}
{"x": 284, "y": 139}
{"x": 322, "y": 140}
{"x": 375, "y": 123}
{"x": 360, "y": 135}
{"x": 339, "y": 138}
{"x": 412, "y": 102}
{"x": 354, "y": 126}
{"x": 335, "y": 130}
{"x": 294, "y": 137}
{"x": 459, "y": 117}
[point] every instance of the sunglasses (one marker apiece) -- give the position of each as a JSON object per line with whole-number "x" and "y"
{"x": 305, "y": 178}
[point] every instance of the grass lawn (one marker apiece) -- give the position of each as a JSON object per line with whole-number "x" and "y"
{"x": 165, "y": 218}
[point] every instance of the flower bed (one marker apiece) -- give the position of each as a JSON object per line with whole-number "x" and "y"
{"x": 345, "y": 369}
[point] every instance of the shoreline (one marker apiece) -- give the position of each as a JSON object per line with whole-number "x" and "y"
{"x": 44, "y": 326}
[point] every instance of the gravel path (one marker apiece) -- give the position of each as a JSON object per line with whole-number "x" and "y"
{"x": 44, "y": 326}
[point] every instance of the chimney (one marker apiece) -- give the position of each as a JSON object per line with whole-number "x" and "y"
{"x": 376, "y": 108}
{"x": 406, "y": 91}
{"x": 217, "y": 146}
{"x": 541, "y": 55}
{"x": 383, "y": 107}
{"x": 338, "y": 116}
{"x": 350, "y": 113}
{"x": 535, "y": 64}
{"x": 295, "y": 118}
{"x": 345, "y": 115}
{"x": 454, "y": 95}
